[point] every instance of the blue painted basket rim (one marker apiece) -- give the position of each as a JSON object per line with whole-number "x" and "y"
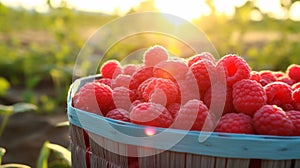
{"x": 218, "y": 144}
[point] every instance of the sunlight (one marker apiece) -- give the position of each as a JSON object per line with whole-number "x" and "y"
{"x": 227, "y": 7}
{"x": 188, "y": 9}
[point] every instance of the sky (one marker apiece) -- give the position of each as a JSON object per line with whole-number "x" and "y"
{"x": 187, "y": 9}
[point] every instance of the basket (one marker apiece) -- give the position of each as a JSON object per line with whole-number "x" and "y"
{"x": 107, "y": 147}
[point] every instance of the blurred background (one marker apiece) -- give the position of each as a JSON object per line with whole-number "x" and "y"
{"x": 40, "y": 41}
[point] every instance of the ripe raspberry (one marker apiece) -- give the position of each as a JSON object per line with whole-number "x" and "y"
{"x": 160, "y": 90}
{"x": 278, "y": 74}
{"x": 121, "y": 80}
{"x": 235, "y": 123}
{"x": 248, "y": 96}
{"x": 118, "y": 114}
{"x": 255, "y": 76}
{"x": 296, "y": 95}
{"x": 204, "y": 72}
{"x": 294, "y": 72}
{"x": 272, "y": 120}
{"x": 110, "y": 69}
{"x": 130, "y": 69}
{"x": 123, "y": 97}
{"x": 286, "y": 80}
{"x": 174, "y": 108}
{"x": 188, "y": 89}
{"x": 135, "y": 103}
{"x": 295, "y": 117}
{"x": 155, "y": 55}
{"x": 266, "y": 77}
{"x": 296, "y": 86}
{"x": 194, "y": 115}
{"x": 234, "y": 67}
{"x": 278, "y": 93}
{"x": 151, "y": 114}
{"x": 106, "y": 81}
{"x": 139, "y": 92}
{"x": 202, "y": 56}
{"x": 94, "y": 97}
{"x": 171, "y": 69}
{"x": 140, "y": 76}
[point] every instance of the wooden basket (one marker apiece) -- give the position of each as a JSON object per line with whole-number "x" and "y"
{"x": 97, "y": 141}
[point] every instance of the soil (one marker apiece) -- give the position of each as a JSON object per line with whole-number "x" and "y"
{"x": 25, "y": 134}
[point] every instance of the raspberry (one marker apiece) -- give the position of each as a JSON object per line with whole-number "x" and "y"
{"x": 155, "y": 55}
{"x": 255, "y": 76}
{"x": 278, "y": 74}
{"x": 141, "y": 88}
{"x": 110, "y": 69}
{"x": 188, "y": 89}
{"x": 94, "y": 97}
{"x": 204, "y": 72}
{"x": 118, "y": 114}
{"x": 295, "y": 117}
{"x": 121, "y": 80}
{"x": 171, "y": 69}
{"x": 202, "y": 56}
{"x": 234, "y": 67}
{"x": 296, "y": 86}
{"x": 248, "y": 96}
{"x": 296, "y": 95}
{"x": 151, "y": 114}
{"x": 130, "y": 69}
{"x": 160, "y": 90}
{"x": 221, "y": 93}
{"x": 173, "y": 108}
{"x": 140, "y": 76}
{"x": 194, "y": 115}
{"x": 272, "y": 120}
{"x": 294, "y": 72}
{"x": 123, "y": 97}
{"x": 286, "y": 80}
{"x": 106, "y": 81}
{"x": 266, "y": 77}
{"x": 278, "y": 93}
{"x": 235, "y": 123}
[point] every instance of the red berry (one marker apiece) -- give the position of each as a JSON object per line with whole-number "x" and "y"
{"x": 188, "y": 89}
{"x": 296, "y": 95}
{"x": 255, "y": 76}
{"x": 202, "y": 56}
{"x": 106, "y": 81}
{"x": 294, "y": 72}
{"x": 174, "y": 108}
{"x": 296, "y": 86}
{"x": 266, "y": 77}
{"x": 278, "y": 93}
{"x": 234, "y": 67}
{"x": 94, "y": 97}
{"x": 151, "y": 114}
{"x": 272, "y": 120}
{"x": 295, "y": 117}
{"x": 121, "y": 80}
{"x": 130, "y": 69}
{"x": 155, "y": 55}
{"x": 235, "y": 123}
{"x": 123, "y": 97}
{"x": 159, "y": 90}
{"x": 140, "y": 76}
{"x": 194, "y": 115}
{"x": 110, "y": 69}
{"x": 286, "y": 80}
{"x": 118, "y": 114}
{"x": 171, "y": 69}
{"x": 248, "y": 96}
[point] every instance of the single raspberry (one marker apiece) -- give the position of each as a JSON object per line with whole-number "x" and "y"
{"x": 202, "y": 56}
{"x": 296, "y": 95}
{"x": 295, "y": 117}
{"x": 234, "y": 67}
{"x": 94, "y": 97}
{"x": 294, "y": 72}
{"x": 155, "y": 55}
{"x": 160, "y": 90}
{"x": 171, "y": 69}
{"x": 278, "y": 93}
{"x": 248, "y": 96}
{"x": 272, "y": 120}
{"x": 110, "y": 69}
{"x": 266, "y": 77}
{"x": 255, "y": 76}
{"x": 140, "y": 76}
{"x": 151, "y": 114}
{"x": 235, "y": 123}
{"x": 222, "y": 95}
{"x": 194, "y": 115}
{"x": 173, "y": 108}
{"x": 121, "y": 80}
{"x": 118, "y": 114}
{"x": 123, "y": 97}
{"x": 130, "y": 69}
{"x": 296, "y": 86}
{"x": 106, "y": 81}
{"x": 204, "y": 72}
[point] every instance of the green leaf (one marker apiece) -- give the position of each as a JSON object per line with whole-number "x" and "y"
{"x": 2, "y": 153}
{"x": 14, "y": 165}
{"x": 63, "y": 124}
{"x": 43, "y": 157}
{"x": 64, "y": 153}
{"x": 23, "y": 107}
